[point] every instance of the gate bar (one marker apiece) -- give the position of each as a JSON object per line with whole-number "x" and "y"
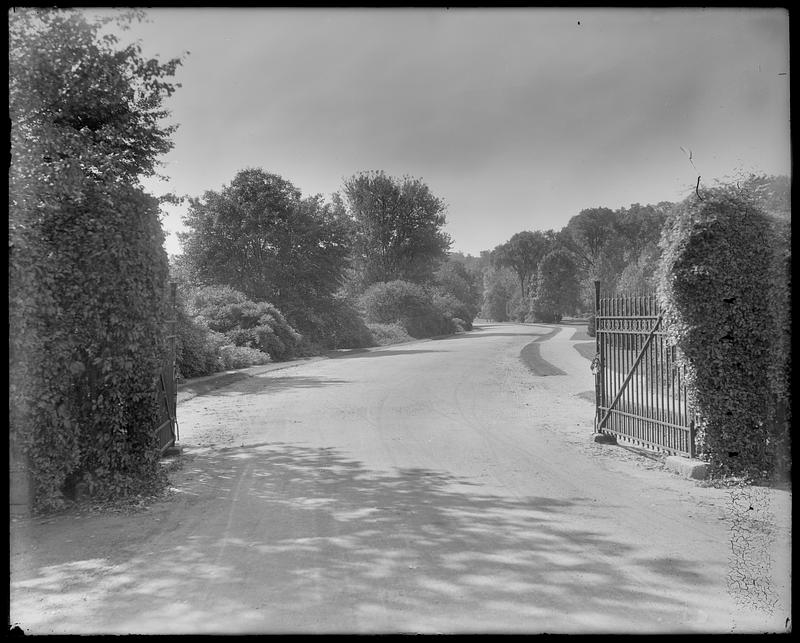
{"x": 631, "y": 371}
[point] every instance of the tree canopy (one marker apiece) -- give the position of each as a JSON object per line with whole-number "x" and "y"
{"x": 398, "y": 228}
{"x": 82, "y": 107}
{"x": 522, "y": 254}
{"x": 557, "y": 289}
{"x": 260, "y": 236}
{"x": 455, "y": 279}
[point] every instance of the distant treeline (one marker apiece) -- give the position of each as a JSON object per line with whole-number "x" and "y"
{"x": 544, "y": 275}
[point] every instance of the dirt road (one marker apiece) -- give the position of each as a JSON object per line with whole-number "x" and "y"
{"x": 438, "y": 486}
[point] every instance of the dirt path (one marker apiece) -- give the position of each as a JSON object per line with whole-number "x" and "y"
{"x": 438, "y": 486}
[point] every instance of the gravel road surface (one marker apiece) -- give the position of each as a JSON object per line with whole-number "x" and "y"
{"x": 437, "y": 486}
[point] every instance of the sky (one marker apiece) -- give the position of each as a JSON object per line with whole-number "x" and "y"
{"x": 517, "y": 119}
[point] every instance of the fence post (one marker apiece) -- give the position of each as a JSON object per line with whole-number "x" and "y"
{"x": 598, "y": 376}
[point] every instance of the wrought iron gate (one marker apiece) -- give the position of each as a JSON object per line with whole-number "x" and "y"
{"x": 640, "y": 389}
{"x": 167, "y": 386}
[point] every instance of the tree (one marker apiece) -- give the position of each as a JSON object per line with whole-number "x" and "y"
{"x": 82, "y": 108}
{"x": 639, "y": 228}
{"x": 474, "y": 265}
{"x": 596, "y": 242}
{"x": 522, "y": 253}
{"x": 454, "y": 279}
{"x": 398, "y": 228}
{"x": 557, "y": 290}
{"x": 639, "y": 275}
{"x": 592, "y": 233}
{"x": 501, "y": 300}
{"x": 260, "y": 236}
{"x": 771, "y": 193}
{"x": 87, "y": 268}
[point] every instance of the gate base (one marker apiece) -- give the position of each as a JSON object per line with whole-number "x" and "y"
{"x": 604, "y": 438}
{"x": 687, "y": 467}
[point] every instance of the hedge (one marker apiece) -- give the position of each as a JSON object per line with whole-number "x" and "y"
{"x": 723, "y": 298}
{"x": 87, "y": 345}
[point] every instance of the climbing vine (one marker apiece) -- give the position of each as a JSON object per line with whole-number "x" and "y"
{"x": 723, "y": 299}
{"x": 87, "y": 269}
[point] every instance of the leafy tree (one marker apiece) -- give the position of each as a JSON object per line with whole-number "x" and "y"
{"x": 557, "y": 291}
{"x": 398, "y": 228}
{"x": 83, "y": 109}
{"x": 87, "y": 269}
{"x": 595, "y": 239}
{"x": 260, "y": 236}
{"x": 454, "y": 279}
{"x": 639, "y": 275}
{"x": 474, "y": 265}
{"x": 522, "y": 253}
{"x": 618, "y": 247}
{"x": 772, "y": 193}
{"x": 592, "y": 236}
{"x": 639, "y": 228}
{"x": 501, "y": 300}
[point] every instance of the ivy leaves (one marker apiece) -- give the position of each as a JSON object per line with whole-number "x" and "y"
{"x": 88, "y": 271}
{"x": 716, "y": 284}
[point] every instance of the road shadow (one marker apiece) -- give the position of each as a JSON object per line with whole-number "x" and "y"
{"x": 489, "y": 331}
{"x": 364, "y": 352}
{"x": 268, "y": 382}
{"x": 317, "y": 541}
{"x": 472, "y": 335}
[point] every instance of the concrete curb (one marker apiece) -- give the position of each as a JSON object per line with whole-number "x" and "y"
{"x": 687, "y": 467}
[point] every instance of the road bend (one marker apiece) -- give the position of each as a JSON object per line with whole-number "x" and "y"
{"x": 436, "y": 486}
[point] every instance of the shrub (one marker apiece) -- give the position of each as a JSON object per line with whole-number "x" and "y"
{"x": 406, "y": 303}
{"x": 340, "y": 325}
{"x": 386, "y": 334}
{"x": 244, "y": 322}
{"x": 716, "y": 285}
{"x": 455, "y": 279}
{"x": 241, "y": 357}
{"x": 591, "y": 326}
{"x": 196, "y": 347}
{"x": 450, "y": 307}
{"x": 544, "y": 317}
